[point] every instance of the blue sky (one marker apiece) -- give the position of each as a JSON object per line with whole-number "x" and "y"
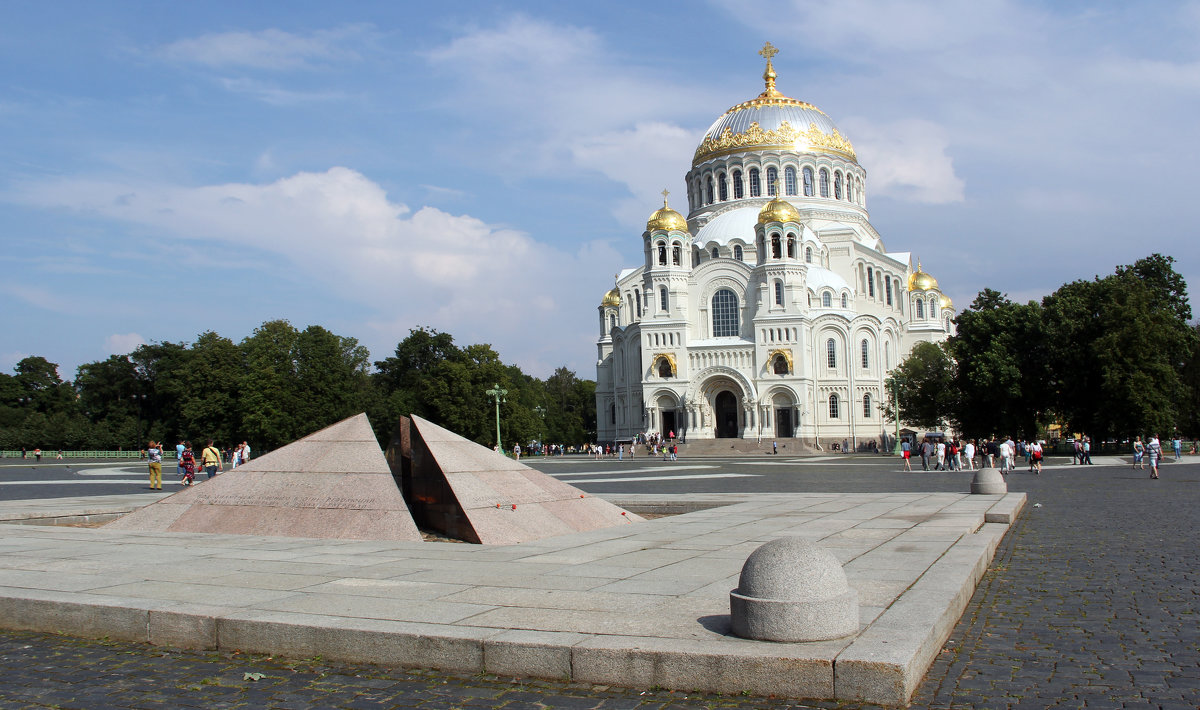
{"x": 485, "y": 168}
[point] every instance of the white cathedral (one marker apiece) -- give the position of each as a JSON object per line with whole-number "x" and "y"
{"x": 773, "y": 311}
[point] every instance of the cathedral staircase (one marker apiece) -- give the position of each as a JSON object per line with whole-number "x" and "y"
{"x": 701, "y": 448}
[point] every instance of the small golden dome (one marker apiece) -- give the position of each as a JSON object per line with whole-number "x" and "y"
{"x": 921, "y": 281}
{"x": 612, "y": 298}
{"x": 778, "y": 210}
{"x": 946, "y": 302}
{"x": 666, "y": 218}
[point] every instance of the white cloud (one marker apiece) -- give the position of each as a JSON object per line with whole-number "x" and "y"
{"x": 339, "y": 231}
{"x": 275, "y": 95}
{"x": 907, "y": 160}
{"x": 122, "y": 344}
{"x": 265, "y": 49}
{"x": 559, "y": 100}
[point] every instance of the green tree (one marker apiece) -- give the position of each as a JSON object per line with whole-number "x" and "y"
{"x": 1118, "y": 350}
{"x": 1000, "y": 377}
{"x": 925, "y": 382}
{"x": 331, "y": 377}
{"x": 269, "y": 396}
{"x": 210, "y": 390}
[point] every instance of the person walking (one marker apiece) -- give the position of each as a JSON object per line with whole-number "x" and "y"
{"x": 1177, "y": 445}
{"x": 969, "y": 454}
{"x": 1087, "y": 450}
{"x": 210, "y": 459}
{"x": 1154, "y": 451}
{"x": 154, "y": 457}
{"x": 188, "y": 462}
{"x": 1036, "y": 453}
{"x": 1139, "y": 451}
{"x": 906, "y": 452}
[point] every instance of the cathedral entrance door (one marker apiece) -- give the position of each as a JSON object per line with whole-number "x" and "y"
{"x": 725, "y": 409}
{"x": 668, "y": 424}
{"x": 783, "y": 423}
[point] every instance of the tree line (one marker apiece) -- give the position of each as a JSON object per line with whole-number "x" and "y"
{"x": 1113, "y": 357}
{"x": 281, "y": 383}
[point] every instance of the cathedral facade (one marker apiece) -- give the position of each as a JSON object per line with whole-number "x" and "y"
{"x": 773, "y": 309}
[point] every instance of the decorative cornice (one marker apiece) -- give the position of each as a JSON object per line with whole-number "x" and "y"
{"x": 785, "y": 137}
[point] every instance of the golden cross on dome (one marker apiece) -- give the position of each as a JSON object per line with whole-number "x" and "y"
{"x": 775, "y": 185}
{"x": 665, "y": 192}
{"x": 768, "y": 51}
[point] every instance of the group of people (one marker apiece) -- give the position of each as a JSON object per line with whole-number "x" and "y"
{"x": 1151, "y": 452}
{"x": 939, "y": 454}
{"x": 212, "y": 460}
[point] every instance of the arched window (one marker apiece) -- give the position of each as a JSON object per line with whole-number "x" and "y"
{"x": 831, "y": 353}
{"x": 695, "y": 255}
{"x": 710, "y": 190}
{"x": 947, "y": 324}
{"x": 737, "y": 253}
{"x": 779, "y": 293}
{"x": 662, "y": 253}
{"x": 866, "y": 354}
{"x": 850, "y": 188}
{"x": 837, "y": 185}
{"x": 866, "y": 406}
{"x": 833, "y": 406}
{"x": 808, "y": 254}
{"x": 808, "y": 182}
{"x": 737, "y": 184}
{"x": 755, "y": 187}
{"x": 843, "y": 300}
{"x": 870, "y": 282}
{"x": 887, "y": 289}
{"x": 725, "y": 314}
{"x": 612, "y": 413}
{"x": 791, "y": 246}
{"x": 887, "y": 356}
{"x": 776, "y": 248}
{"x": 920, "y": 308}
{"x": 715, "y": 253}
{"x": 676, "y": 255}
{"x": 612, "y": 321}
{"x": 772, "y": 178}
{"x": 662, "y": 299}
{"x": 827, "y": 301}
{"x": 664, "y": 367}
{"x": 824, "y": 178}
{"x": 932, "y": 307}
{"x": 724, "y": 187}
{"x": 637, "y": 298}
{"x": 780, "y": 367}
{"x": 789, "y": 180}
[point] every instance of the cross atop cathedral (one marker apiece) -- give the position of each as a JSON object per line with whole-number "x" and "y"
{"x": 665, "y": 192}
{"x": 768, "y": 51}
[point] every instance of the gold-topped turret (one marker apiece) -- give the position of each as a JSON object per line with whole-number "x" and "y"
{"x": 921, "y": 281}
{"x": 666, "y": 218}
{"x": 612, "y": 298}
{"x": 778, "y": 210}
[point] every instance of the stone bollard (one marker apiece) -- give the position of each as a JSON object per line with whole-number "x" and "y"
{"x": 793, "y": 590}
{"x": 989, "y": 481}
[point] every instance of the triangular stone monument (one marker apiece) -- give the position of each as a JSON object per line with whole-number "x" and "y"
{"x": 334, "y": 483}
{"x": 473, "y": 493}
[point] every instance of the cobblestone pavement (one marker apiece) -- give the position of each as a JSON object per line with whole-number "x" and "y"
{"x": 1091, "y": 602}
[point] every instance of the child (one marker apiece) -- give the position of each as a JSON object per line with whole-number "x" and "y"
{"x": 188, "y": 461}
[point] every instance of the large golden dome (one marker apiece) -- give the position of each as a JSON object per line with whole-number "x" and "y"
{"x": 666, "y": 218}
{"x": 612, "y": 298}
{"x": 773, "y": 121}
{"x": 946, "y": 302}
{"x": 921, "y": 281}
{"x": 778, "y": 210}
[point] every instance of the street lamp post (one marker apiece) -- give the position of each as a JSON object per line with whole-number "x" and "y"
{"x": 497, "y": 394}
{"x": 541, "y": 432}
{"x": 896, "y": 405}
{"x": 138, "y": 399}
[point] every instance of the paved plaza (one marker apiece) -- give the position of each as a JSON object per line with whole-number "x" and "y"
{"x": 1090, "y": 602}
